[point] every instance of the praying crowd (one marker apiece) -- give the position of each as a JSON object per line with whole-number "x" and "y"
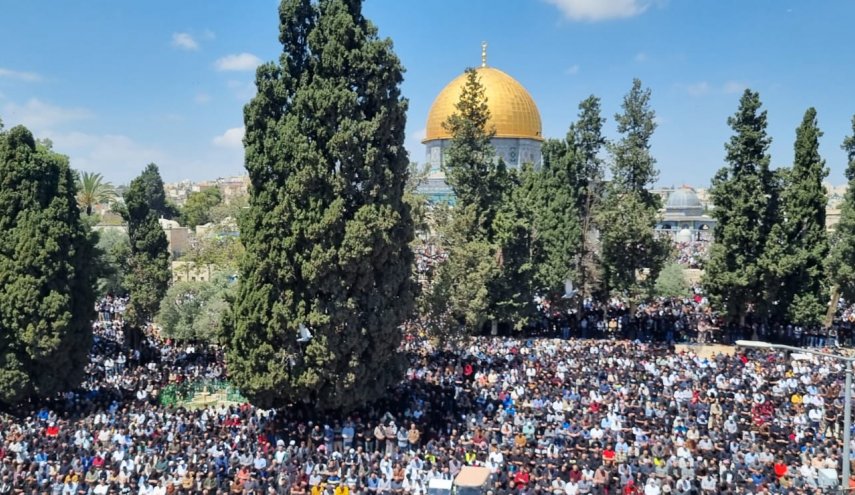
{"x": 692, "y": 254}
{"x": 546, "y": 416}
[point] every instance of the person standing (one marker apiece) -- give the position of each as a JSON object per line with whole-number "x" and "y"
{"x": 379, "y": 438}
{"x": 391, "y": 437}
{"x": 413, "y": 436}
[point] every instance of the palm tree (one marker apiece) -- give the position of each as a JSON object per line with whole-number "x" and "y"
{"x": 92, "y": 190}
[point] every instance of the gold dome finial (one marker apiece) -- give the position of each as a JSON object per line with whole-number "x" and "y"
{"x": 483, "y": 54}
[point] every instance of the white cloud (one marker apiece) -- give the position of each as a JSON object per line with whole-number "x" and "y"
{"x": 640, "y": 57}
{"x": 202, "y": 98}
{"x": 232, "y": 138}
{"x": 731, "y": 87}
{"x": 572, "y": 70}
{"x": 698, "y": 89}
{"x": 704, "y": 88}
{"x": 38, "y": 115}
{"x": 243, "y": 90}
{"x": 184, "y": 41}
{"x": 20, "y": 75}
{"x": 208, "y": 35}
{"x": 240, "y": 62}
{"x": 116, "y": 156}
{"x": 599, "y": 10}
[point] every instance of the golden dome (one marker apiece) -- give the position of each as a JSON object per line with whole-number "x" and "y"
{"x": 513, "y": 112}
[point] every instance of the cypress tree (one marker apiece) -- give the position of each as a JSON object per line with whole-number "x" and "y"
{"x": 629, "y": 213}
{"x": 478, "y": 179}
{"x": 155, "y": 195}
{"x": 744, "y": 197}
{"x": 487, "y": 275}
{"x": 46, "y": 278}
{"x": 327, "y": 231}
{"x": 556, "y": 219}
{"x": 798, "y": 244}
{"x": 565, "y": 198}
{"x": 148, "y": 271}
{"x": 841, "y": 260}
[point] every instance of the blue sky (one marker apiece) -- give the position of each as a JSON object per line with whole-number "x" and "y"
{"x": 116, "y": 85}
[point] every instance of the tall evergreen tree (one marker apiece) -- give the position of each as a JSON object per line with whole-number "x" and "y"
{"x": 627, "y": 219}
{"x": 586, "y": 138}
{"x": 564, "y": 201}
{"x": 475, "y": 175}
{"x": 553, "y": 202}
{"x": 148, "y": 271}
{"x": 490, "y": 261}
{"x": 154, "y": 193}
{"x": 46, "y": 277}
{"x": 327, "y": 231}
{"x": 633, "y": 167}
{"x": 744, "y": 197}
{"x": 797, "y": 245}
{"x": 841, "y": 261}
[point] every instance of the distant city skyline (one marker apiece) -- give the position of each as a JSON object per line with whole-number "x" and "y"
{"x": 117, "y": 85}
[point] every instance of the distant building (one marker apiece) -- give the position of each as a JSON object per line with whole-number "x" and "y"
{"x": 177, "y": 192}
{"x": 188, "y": 271}
{"x": 684, "y": 218}
{"x": 234, "y": 187}
{"x": 230, "y": 188}
{"x": 177, "y": 236}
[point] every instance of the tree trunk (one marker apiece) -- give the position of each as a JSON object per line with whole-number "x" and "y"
{"x": 832, "y": 306}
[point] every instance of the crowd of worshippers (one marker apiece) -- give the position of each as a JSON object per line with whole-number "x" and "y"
{"x": 692, "y": 254}
{"x": 546, "y": 416}
{"x": 683, "y": 320}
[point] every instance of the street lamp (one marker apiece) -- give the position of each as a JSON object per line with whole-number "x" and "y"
{"x": 847, "y": 399}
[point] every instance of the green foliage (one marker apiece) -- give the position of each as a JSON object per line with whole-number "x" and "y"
{"x": 672, "y": 282}
{"x": 220, "y": 247}
{"x": 511, "y": 292}
{"x": 418, "y": 202}
{"x": 552, "y": 202}
{"x": 151, "y": 187}
{"x": 459, "y": 298}
{"x": 148, "y": 270}
{"x": 470, "y": 160}
{"x": 92, "y": 190}
{"x": 232, "y": 210}
{"x": 327, "y": 232}
{"x": 798, "y": 244}
{"x": 487, "y": 275}
{"x": 633, "y": 167}
{"x": 114, "y": 249}
{"x": 841, "y": 260}
{"x": 632, "y": 256}
{"x": 744, "y": 194}
{"x": 200, "y": 207}
{"x": 564, "y": 198}
{"x": 46, "y": 274}
{"x": 193, "y": 311}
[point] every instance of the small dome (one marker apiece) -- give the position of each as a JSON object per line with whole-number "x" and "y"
{"x": 168, "y": 224}
{"x": 513, "y": 113}
{"x": 684, "y": 235}
{"x": 683, "y": 199}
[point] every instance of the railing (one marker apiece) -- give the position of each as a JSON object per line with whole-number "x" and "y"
{"x": 182, "y": 394}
